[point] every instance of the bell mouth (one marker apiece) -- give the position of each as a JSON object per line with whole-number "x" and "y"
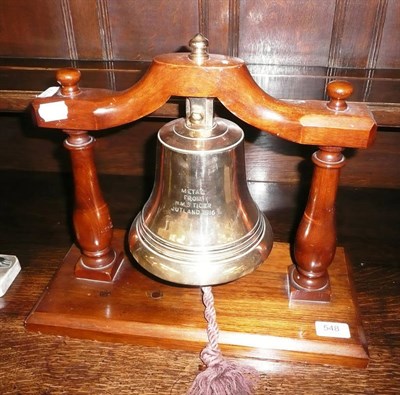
{"x": 200, "y": 265}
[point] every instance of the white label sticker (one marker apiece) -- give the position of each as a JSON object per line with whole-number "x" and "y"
{"x": 49, "y": 91}
{"x": 332, "y": 329}
{"x": 53, "y": 111}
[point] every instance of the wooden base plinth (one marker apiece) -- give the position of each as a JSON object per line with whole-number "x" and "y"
{"x": 254, "y": 315}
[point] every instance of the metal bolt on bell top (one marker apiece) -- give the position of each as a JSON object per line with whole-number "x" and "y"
{"x": 200, "y": 225}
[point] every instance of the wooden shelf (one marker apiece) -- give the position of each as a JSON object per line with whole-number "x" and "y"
{"x": 255, "y": 318}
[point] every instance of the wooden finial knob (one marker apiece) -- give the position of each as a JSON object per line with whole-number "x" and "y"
{"x": 69, "y": 79}
{"x": 338, "y": 92}
{"x": 199, "y": 48}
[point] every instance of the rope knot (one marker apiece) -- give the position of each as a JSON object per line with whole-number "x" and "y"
{"x": 210, "y": 356}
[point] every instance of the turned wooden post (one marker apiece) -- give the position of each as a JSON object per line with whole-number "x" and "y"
{"x": 315, "y": 243}
{"x": 91, "y": 217}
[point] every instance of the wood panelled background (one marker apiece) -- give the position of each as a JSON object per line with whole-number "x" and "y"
{"x": 329, "y": 33}
{"x": 293, "y": 47}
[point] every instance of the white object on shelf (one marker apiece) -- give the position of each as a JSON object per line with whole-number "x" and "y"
{"x": 9, "y": 269}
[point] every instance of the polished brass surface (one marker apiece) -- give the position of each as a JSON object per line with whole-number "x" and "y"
{"x": 200, "y": 225}
{"x": 198, "y": 49}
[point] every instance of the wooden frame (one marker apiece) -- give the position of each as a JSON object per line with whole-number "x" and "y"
{"x": 331, "y": 125}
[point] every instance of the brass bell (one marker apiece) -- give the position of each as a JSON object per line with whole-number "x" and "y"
{"x": 200, "y": 225}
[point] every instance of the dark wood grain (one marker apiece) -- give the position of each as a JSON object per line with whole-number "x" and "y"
{"x": 317, "y": 228}
{"x": 23, "y": 79}
{"x": 40, "y": 237}
{"x": 303, "y": 122}
{"x": 41, "y": 37}
{"x": 267, "y": 29}
{"x": 342, "y": 33}
{"x": 91, "y": 216}
{"x": 343, "y": 38}
{"x": 251, "y": 327}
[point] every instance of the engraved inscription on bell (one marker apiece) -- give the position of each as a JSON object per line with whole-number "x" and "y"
{"x": 193, "y": 202}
